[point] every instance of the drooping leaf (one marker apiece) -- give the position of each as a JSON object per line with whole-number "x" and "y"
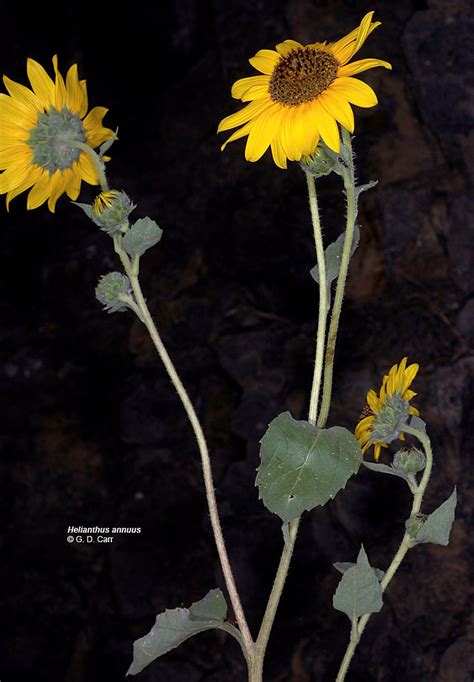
{"x": 302, "y": 466}
{"x": 359, "y": 590}
{"x": 332, "y": 257}
{"x": 437, "y": 526}
{"x": 174, "y": 626}
{"x": 144, "y": 234}
{"x": 386, "y": 469}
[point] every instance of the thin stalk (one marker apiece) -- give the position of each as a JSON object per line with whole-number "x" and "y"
{"x": 97, "y": 161}
{"x": 323, "y": 299}
{"x": 256, "y": 668}
{"x": 406, "y": 544}
{"x": 349, "y": 185}
{"x": 144, "y": 314}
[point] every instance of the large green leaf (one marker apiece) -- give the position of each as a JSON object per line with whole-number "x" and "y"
{"x": 174, "y": 626}
{"x": 302, "y": 466}
{"x": 359, "y": 590}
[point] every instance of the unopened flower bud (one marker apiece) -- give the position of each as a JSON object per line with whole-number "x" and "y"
{"x": 321, "y": 162}
{"x": 111, "y": 290}
{"x": 110, "y": 211}
{"x": 411, "y": 461}
{"x": 414, "y": 524}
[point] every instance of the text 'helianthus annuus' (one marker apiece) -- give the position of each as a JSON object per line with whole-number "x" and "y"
{"x": 388, "y": 409}
{"x": 303, "y": 92}
{"x": 40, "y": 133}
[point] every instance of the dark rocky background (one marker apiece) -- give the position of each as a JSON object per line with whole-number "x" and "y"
{"x": 91, "y": 430}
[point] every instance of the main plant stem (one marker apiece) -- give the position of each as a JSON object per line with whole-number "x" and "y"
{"x": 256, "y": 667}
{"x": 349, "y": 185}
{"x": 144, "y": 314}
{"x": 406, "y": 544}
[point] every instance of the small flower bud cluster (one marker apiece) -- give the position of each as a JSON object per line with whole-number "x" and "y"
{"x": 411, "y": 461}
{"x": 111, "y": 291}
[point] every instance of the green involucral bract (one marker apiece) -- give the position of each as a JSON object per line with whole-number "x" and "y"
{"x": 391, "y": 419}
{"x": 303, "y": 466}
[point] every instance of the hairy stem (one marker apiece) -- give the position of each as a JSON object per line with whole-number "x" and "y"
{"x": 349, "y": 184}
{"x": 144, "y": 314}
{"x": 323, "y": 299}
{"x": 406, "y": 544}
{"x": 97, "y": 161}
{"x": 256, "y": 669}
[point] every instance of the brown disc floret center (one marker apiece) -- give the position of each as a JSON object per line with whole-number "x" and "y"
{"x": 302, "y": 75}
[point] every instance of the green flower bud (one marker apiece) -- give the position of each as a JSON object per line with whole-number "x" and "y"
{"x": 410, "y": 461}
{"x": 390, "y": 420}
{"x": 414, "y": 524}
{"x": 110, "y": 211}
{"x": 111, "y": 290}
{"x": 321, "y": 162}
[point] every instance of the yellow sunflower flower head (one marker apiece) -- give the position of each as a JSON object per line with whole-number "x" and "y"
{"x": 305, "y": 90}
{"x": 388, "y": 411}
{"x": 41, "y": 133}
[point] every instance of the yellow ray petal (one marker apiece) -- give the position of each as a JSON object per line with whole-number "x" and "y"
{"x": 355, "y": 91}
{"x": 22, "y": 94}
{"x": 363, "y": 33}
{"x": 74, "y": 93}
{"x": 343, "y": 49}
{"x": 339, "y": 108}
{"x": 73, "y": 182}
{"x": 241, "y": 86}
{"x": 286, "y": 136}
{"x": 85, "y": 99}
{"x": 30, "y": 180}
{"x": 41, "y": 83}
{"x": 15, "y": 113}
{"x": 262, "y": 133}
{"x": 256, "y": 92}
{"x": 40, "y": 192}
{"x": 13, "y": 176}
{"x": 240, "y": 117}
{"x": 265, "y": 61}
{"x": 86, "y": 170}
{"x": 305, "y": 129}
{"x": 373, "y": 400}
{"x": 21, "y": 154}
{"x": 327, "y": 128}
{"x": 58, "y": 186}
{"x": 288, "y": 46}
{"x": 410, "y": 374}
{"x": 59, "y": 87}
{"x": 278, "y": 153}
{"x": 362, "y": 65}
{"x": 241, "y": 132}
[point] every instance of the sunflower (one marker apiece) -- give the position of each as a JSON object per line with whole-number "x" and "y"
{"x": 394, "y": 394}
{"x": 41, "y": 131}
{"x": 303, "y": 92}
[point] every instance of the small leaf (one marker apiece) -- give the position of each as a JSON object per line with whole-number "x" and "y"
{"x": 418, "y": 424}
{"x": 364, "y": 188}
{"x": 144, "y": 234}
{"x": 385, "y": 469}
{"x": 437, "y": 526}
{"x": 359, "y": 590}
{"x": 332, "y": 257}
{"x": 174, "y": 626}
{"x": 343, "y": 566}
{"x": 86, "y": 208}
{"x": 302, "y": 466}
